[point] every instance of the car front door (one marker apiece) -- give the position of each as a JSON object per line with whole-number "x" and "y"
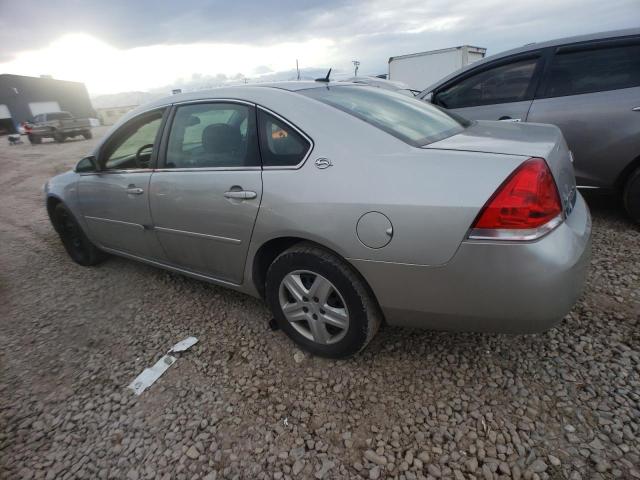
{"x": 502, "y": 90}
{"x": 206, "y": 192}
{"x": 115, "y": 200}
{"x": 592, "y": 92}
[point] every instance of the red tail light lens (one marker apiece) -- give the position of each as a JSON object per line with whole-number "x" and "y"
{"x": 527, "y": 200}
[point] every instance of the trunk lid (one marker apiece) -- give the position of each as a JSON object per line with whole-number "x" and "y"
{"x": 528, "y": 139}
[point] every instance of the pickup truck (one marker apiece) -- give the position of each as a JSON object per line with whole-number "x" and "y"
{"x": 57, "y": 125}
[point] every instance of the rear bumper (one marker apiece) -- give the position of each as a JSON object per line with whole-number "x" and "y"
{"x": 489, "y": 286}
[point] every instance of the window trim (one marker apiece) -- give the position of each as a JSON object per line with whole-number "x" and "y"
{"x": 117, "y": 134}
{"x": 294, "y": 127}
{"x": 164, "y": 144}
{"x": 581, "y": 47}
{"x": 541, "y": 62}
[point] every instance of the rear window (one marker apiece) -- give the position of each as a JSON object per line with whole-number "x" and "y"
{"x": 412, "y": 121}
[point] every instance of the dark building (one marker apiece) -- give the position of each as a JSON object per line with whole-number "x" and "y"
{"x": 21, "y": 98}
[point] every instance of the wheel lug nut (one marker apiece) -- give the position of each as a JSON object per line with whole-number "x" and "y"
{"x": 315, "y": 317}
{"x": 321, "y": 312}
{"x": 315, "y": 299}
{"x": 305, "y": 309}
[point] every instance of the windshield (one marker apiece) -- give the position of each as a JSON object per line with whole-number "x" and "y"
{"x": 412, "y": 121}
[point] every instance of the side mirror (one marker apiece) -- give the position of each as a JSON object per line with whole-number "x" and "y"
{"x": 87, "y": 165}
{"x": 428, "y": 97}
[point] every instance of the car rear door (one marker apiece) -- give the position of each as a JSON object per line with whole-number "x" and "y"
{"x": 115, "y": 200}
{"x": 500, "y": 90}
{"x": 592, "y": 92}
{"x": 206, "y": 193}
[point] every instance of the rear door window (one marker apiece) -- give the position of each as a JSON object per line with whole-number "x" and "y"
{"x": 585, "y": 70}
{"x": 213, "y": 135}
{"x": 501, "y": 84}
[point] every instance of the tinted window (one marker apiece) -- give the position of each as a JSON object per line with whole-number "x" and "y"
{"x": 413, "y": 121}
{"x": 213, "y": 135}
{"x": 506, "y": 83}
{"x": 587, "y": 71}
{"x": 280, "y": 144}
{"x": 126, "y": 150}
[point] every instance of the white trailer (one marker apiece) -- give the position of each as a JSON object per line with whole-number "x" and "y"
{"x": 419, "y": 70}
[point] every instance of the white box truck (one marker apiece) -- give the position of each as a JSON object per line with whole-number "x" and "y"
{"x": 419, "y": 70}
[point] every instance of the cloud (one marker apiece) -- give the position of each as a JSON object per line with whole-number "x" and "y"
{"x": 148, "y": 43}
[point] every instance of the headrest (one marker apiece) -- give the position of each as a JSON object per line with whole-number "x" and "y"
{"x": 221, "y": 138}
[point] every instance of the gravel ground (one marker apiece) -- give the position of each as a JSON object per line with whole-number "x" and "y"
{"x": 244, "y": 403}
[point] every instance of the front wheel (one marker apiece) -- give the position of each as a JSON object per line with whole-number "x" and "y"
{"x": 631, "y": 196}
{"x": 75, "y": 242}
{"x": 320, "y": 302}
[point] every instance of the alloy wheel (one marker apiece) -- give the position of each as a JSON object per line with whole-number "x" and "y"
{"x": 314, "y": 307}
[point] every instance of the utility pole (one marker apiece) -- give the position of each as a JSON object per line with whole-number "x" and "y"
{"x": 297, "y": 69}
{"x": 356, "y": 64}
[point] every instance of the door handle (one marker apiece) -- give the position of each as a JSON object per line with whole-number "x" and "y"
{"x": 241, "y": 194}
{"x": 635, "y": 109}
{"x": 135, "y": 191}
{"x": 509, "y": 119}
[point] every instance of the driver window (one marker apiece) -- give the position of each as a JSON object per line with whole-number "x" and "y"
{"x": 501, "y": 84}
{"x": 134, "y": 147}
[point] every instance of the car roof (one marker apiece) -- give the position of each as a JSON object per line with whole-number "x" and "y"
{"x": 537, "y": 46}
{"x": 243, "y": 92}
{"x": 238, "y": 92}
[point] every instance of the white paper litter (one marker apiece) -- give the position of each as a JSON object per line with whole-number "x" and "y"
{"x": 150, "y": 375}
{"x": 185, "y": 344}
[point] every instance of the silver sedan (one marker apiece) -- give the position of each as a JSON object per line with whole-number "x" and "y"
{"x": 343, "y": 206}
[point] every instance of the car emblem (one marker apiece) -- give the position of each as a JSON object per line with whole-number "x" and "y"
{"x": 323, "y": 163}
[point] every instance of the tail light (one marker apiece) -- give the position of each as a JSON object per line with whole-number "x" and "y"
{"x": 525, "y": 207}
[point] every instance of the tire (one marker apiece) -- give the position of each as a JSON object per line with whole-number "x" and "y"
{"x": 341, "y": 316}
{"x": 34, "y": 139}
{"x": 87, "y": 135}
{"x": 58, "y": 137}
{"x": 631, "y": 195}
{"x": 76, "y": 243}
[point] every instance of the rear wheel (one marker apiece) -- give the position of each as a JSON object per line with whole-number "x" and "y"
{"x": 631, "y": 196}
{"x": 320, "y": 302}
{"x": 58, "y": 137}
{"x": 34, "y": 139}
{"x": 87, "y": 135}
{"x": 75, "y": 242}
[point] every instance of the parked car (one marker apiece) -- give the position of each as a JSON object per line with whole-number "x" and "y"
{"x": 399, "y": 87}
{"x": 589, "y": 86}
{"x": 341, "y": 205}
{"x": 59, "y": 126}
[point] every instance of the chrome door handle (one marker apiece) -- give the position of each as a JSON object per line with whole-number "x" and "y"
{"x": 135, "y": 191}
{"x": 509, "y": 119}
{"x": 241, "y": 194}
{"x": 635, "y": 109}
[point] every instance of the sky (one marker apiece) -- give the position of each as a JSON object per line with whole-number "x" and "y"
{"x": 140, "y": 45}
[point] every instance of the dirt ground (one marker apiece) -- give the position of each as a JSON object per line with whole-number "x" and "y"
{"x": 244, "y": 403}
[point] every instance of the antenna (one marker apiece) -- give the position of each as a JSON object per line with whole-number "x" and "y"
{"x": 356, "y": 64}
{"x": 324, "y": 79}
{"x": 297, "y": 69}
